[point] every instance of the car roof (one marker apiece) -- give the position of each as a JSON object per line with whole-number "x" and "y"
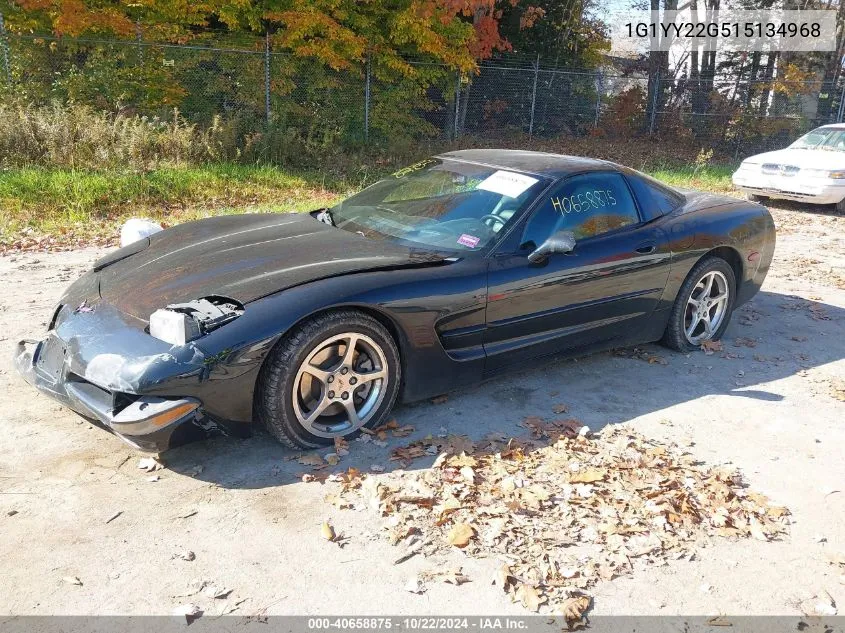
{"x": 832, "y": 126}
{"x": 537, "y": 163}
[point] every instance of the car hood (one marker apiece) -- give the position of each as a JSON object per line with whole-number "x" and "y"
{"x": 803, "y": 158}
{"x": 243, "y": 257}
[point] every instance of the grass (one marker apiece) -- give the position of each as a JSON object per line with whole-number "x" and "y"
{"x": 70, "y": 207}
{"x": 72, "y": 203}
{"x": 715, "y": 178}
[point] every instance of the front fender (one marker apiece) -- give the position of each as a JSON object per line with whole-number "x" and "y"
{"x": 422, "y": 307}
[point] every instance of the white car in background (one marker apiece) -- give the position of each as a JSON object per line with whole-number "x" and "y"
{"x": 812, "y": 169}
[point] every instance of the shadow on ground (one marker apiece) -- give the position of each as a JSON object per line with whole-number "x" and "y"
{"x": 773, "y": 337}
{"x": 803, "y": 207}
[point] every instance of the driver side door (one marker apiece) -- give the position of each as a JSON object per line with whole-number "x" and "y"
{"x": 601, "y": 292}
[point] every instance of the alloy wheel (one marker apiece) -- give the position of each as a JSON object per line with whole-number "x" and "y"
{"x": 340, "y": 385}
{"x": 706, "y": 307}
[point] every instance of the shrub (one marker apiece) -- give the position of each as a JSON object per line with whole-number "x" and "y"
{"x": 78, "y": 136}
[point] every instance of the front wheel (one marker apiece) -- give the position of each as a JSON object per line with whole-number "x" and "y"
{"x": 703, "y": 306}
{"x": 840, "y": 206}
{"x": 328, "y": 378}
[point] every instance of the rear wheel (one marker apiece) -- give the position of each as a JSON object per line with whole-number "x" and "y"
{"x": 753, "y": 197}
{"x": 840, "y": 206}
{"x": 331, "y": 376}
{"x": 703, "y": 306}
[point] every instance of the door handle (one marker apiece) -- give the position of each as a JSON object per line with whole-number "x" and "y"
{"x": 646, "y": 247}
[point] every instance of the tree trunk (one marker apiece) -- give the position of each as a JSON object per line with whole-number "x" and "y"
{"x": 768, "y": 74}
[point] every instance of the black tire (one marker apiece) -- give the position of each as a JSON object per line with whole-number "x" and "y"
{"x": 840, "y": 206}
{"x": 753, "y": 197}
{"x": 274, "y": 390}
{"x": 675, "y": 335}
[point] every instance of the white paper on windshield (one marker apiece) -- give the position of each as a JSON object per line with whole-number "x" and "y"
{"x": 507, "y": 183}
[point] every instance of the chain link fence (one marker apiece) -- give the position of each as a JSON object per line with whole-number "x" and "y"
{"x": 256, "y": 91}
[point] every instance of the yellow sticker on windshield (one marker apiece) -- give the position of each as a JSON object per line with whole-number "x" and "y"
{"x": 415, "y": 167}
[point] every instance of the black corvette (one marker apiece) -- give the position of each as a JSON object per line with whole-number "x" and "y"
{"x": 452, "y": 270}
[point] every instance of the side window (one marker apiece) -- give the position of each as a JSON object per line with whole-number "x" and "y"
{"x": 655, "y": 199}
{"x": 587, "y": 205}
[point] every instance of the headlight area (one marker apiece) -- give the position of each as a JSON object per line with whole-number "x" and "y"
{"x": 145, "y": 422}
{"x": 836, "y": 174}
{"x": 180, "y": 323}
{"x": 149, "y": 414}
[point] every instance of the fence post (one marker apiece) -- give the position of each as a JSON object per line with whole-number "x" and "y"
{"x": 534, "y": 95}
{"x": 367, "y": 103}
{"x": 139, "y": 39}
{"x": 841, "y": 104}
{"x": 457, "y": 103}
{"x": 654, "y": 101}
{"x": 267, "y": 76}
{"x": 4, "y": 44}
{"x": 599, "y": 90}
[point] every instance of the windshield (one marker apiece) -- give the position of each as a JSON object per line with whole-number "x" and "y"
{"x": 821, "y": 138}
{"x": 440, "y": 203}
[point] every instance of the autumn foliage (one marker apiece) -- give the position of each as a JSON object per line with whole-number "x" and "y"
{"x": 340, "y": 33}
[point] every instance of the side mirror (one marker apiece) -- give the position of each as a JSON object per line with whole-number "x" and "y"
{"x": 560, "y": 242}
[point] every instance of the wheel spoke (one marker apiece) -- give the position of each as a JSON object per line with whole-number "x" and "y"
{"x": 708, "y": 286}
{"x": 320, "y": 374}
{"x": 352, "y": 412}
{"x": 693, "y": 302}
{"x": 317, "y": 411}
{"x": 720, "y": 297}
{"x": 349, "y": 354}
{"x": 369, "y": 376}
{"x": 693, "y": 324}
{"x": 708, "y": 330}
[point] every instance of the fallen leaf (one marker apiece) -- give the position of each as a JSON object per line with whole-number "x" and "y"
{"x": 530, "y": 597}
{"x": 588, "y": 476}
{"x": 708, "y": 347}
{"x": 439, "y": 399}
{"x": 188, "y": 611}
{"x": 560, "y": 408}
{"x": 216, "y": 593}
{"x": 403, "y": 431}
{"x": 454, "y": 576}
{"x": 573, "y": 609}
{"x": 341, "y": 447}
{"x": 618, "y": 496}
{"x": 504, "y": 579}
{"x": 327, "y": 531}
{"x": 312, "y": 459}
{"x": 461, "y": 534}
{"x": 149, "y": 464}
{"x": 332, "y": 459}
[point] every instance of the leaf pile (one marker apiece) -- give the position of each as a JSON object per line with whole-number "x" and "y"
{"x": 563, "y": 516}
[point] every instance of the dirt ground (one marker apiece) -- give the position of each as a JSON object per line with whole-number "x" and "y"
{"x": 74, "y": 504}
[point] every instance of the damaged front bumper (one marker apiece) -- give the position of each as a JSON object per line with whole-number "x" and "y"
{"x": 145, "y": 422}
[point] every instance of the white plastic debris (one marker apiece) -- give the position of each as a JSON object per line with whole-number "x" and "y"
{"x": 136, "y": 229}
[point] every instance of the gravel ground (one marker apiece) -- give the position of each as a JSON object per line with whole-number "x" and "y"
{"x": 74, "y": 505}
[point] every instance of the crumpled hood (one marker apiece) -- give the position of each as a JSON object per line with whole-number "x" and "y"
{"x": 243, "y": 257}
{"x": 803, "y": 158}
